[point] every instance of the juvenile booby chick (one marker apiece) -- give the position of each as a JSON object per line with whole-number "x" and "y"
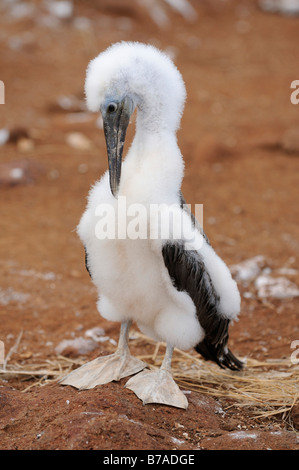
{"x": 177, "y": 291}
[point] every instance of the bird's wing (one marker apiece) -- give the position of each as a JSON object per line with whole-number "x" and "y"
{"x": 188, "y": 273}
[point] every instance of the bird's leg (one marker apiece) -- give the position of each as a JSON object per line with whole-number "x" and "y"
{"x": 158, "y": 386}
{"x": 122, "y": 347}
{"x": 105, "y": 369}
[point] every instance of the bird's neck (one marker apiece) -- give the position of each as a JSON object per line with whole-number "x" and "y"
{"x": 156, "y": 164}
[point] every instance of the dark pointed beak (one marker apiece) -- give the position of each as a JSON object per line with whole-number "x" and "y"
{"x": 116, "y": 118}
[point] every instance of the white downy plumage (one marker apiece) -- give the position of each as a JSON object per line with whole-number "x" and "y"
{"x": 131, "y": 275}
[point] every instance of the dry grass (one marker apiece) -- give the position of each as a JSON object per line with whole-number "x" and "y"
{"x": 266, "y": 388}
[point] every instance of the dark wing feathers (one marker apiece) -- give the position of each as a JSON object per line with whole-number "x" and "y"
{"x": 187, "y": 272}
{"x": 86, "y": 262}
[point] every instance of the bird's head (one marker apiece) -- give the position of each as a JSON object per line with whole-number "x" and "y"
{"x": 129, "y": 75}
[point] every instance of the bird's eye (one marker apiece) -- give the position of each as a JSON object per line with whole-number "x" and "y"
{"x": 112, "y": 107}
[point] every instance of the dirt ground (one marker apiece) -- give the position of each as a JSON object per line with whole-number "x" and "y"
{"x": 240, "y": 141}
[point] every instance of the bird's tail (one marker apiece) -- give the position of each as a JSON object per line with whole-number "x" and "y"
{"x": 230, "y": 361}
{"x": 224, "y": 358}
